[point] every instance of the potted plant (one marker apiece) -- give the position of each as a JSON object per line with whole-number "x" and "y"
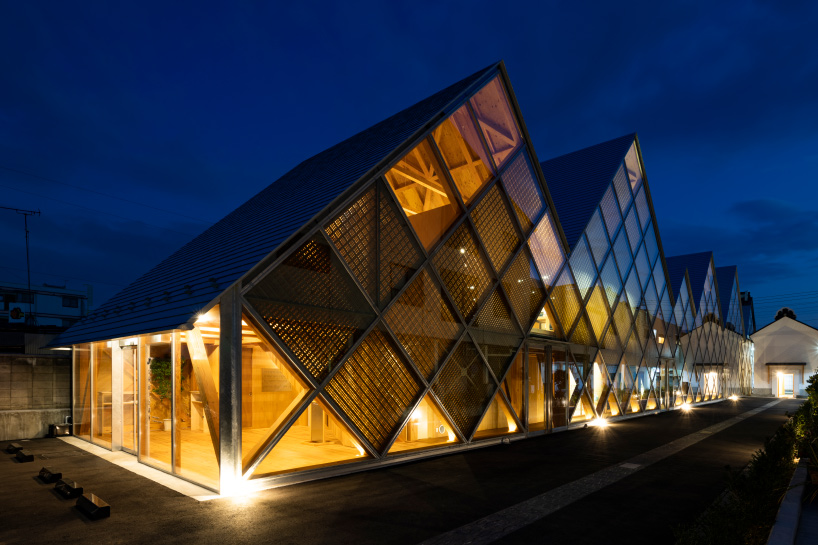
{"x": 162, "y": 387}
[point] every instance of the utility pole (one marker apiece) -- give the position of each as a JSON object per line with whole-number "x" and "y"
{"x": 26, "y": 214}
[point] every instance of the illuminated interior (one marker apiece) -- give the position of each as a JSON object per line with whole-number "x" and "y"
{"x": 434, "y": 306}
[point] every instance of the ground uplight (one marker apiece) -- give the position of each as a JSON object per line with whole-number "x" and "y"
{"x": 686, "y": 407}
{"x": 600, "y": 423}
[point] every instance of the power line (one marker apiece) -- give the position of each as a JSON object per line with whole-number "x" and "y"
{"x": 105, "y": 194}
{"x": 99, "y": 211}
{"x": 64, "y": 276}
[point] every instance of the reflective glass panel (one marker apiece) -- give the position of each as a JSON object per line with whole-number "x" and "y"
{"x": 423, "y": 192}
{"x": 513, "y": 386}
{"x": 622, "y": 253}
{"x": 642, "y": 266}
{"x": 634, "y": 170}
{"x": 597, "y": 239}
{"x": 623, "y": 190}
{"x": 546, "y": 323}
{"x": 610, "y": 280}
{"x": 494, "y": 116}
{"x": 524, "y": 191}
{"x": 155, "y": 392}
{"x": 583, "y": 267}
{"x": 597, "y": 310}
{"x": 546, "y": 249}
{"x": 642, "y": 208}
{"x": 632, "y": 227}
{"x": 610, "y": 211}
{"x": 463, "y": 153}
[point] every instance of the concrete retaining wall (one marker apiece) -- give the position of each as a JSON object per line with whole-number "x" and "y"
{"x": 35, "y": 391}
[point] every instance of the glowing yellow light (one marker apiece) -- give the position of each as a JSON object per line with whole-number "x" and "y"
{"x": 734, "y": 397}
{"x": 600, "y": 423}
{"x": 686, "y": 407}
{"x": 417, "y": 414}
{"x": 512, "y": 426}
{"x": 462, "y": 250}
{"x": 451, "y": 437}
{"x": 360, "y": 449}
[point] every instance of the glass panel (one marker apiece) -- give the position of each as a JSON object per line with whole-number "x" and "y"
{"x": 524, "y": 191}
{"x": 82, "y": 391}
{"x": 427, "y": 427}
{"x": 129, "y": 408}
{"x": 498, "y": 349}
{"x": 424, "y": 323}
{"x": 103, "y": 396}
{"x": 634, "y": 170}
{"x": 623, "y": 253}
{"x": 524, "y": 289}
{"x": 375, "y": 388}
{"x": 597, "y": 239}
{"x": 583, "y": 267}
{"x": 536, "y": 388}
{"x": 495, "y": 118}
{"x": 546, "y": 249}
{"x": 497, "y": 420}
{"x": 582, "y": 333}
{"x": 642, "y": 387}
{"x": 651, "y": 299}
{"x": 197, "y": 398}
{"x": 622, "y": 319}
{"x": 642, "y": 208}
{"x": 560, "y": 393}
{"x": 642, "y": 266}
{"x": 633, "y": 291}
{"x": 597, "y": 310}
{"x": 610, "y": 280}
{"x": 496, "y": 315}
{"x": 623, "y": 386}
{"x": 564, "y": 299}
{"x": 464, "y": 387}
{"x": 313, "y": 306}
{"x": 270, "y": 391}
{"x": 463, "y": 153}
{"x": 610, "y": 212}
{"x": 513, "y": 385}
{"x": 424, "y": 193}
{"x": 463, "y": 269}
{"x": 598, "y": 386}
{"x": 632, "y": 227}
{"x": 155, "y": 391}
{"x": 623, "y": 190}
{"x": 496, "y": 228}
{"x": 652, "y": 246}
{"x": 659, "y": 282}
{"x": 546, "y": 323}
{"x": 316, "y": 439}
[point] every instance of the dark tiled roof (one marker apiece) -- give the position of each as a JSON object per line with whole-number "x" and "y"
{"x": 696, "y": 265}
{"x": 577, "y": 181}
{"x": 726, "y": 277}
{"x": 171, "y": 293}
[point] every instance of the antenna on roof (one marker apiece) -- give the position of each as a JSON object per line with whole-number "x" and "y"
{"x": 30, "y": 319}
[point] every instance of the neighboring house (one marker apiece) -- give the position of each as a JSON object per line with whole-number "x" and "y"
{"x": 786, "y": 354}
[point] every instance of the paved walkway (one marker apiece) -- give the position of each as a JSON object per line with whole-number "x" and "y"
{"x": 679, "y": 464}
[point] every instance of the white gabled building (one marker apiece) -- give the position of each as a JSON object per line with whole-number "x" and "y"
{"x": 786, "y": 354}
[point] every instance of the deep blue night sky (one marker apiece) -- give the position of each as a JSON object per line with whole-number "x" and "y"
{"x": 132, "y": 128}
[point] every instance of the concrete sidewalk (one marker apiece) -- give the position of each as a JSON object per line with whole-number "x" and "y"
{"x": 414, "y": 502}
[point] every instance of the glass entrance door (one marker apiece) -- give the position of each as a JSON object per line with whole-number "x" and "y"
{"x": 129, "y": 399}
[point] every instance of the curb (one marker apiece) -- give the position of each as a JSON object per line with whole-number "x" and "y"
{"x": 789, "y": 512}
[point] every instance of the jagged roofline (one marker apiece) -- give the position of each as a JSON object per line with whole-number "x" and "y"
{"x": 481, "y": 78}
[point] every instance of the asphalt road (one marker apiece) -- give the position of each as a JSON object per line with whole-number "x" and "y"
{"x": 413, "y": 502}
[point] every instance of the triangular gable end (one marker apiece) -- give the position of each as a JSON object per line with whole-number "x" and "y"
{"x": 177, "y": 290}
